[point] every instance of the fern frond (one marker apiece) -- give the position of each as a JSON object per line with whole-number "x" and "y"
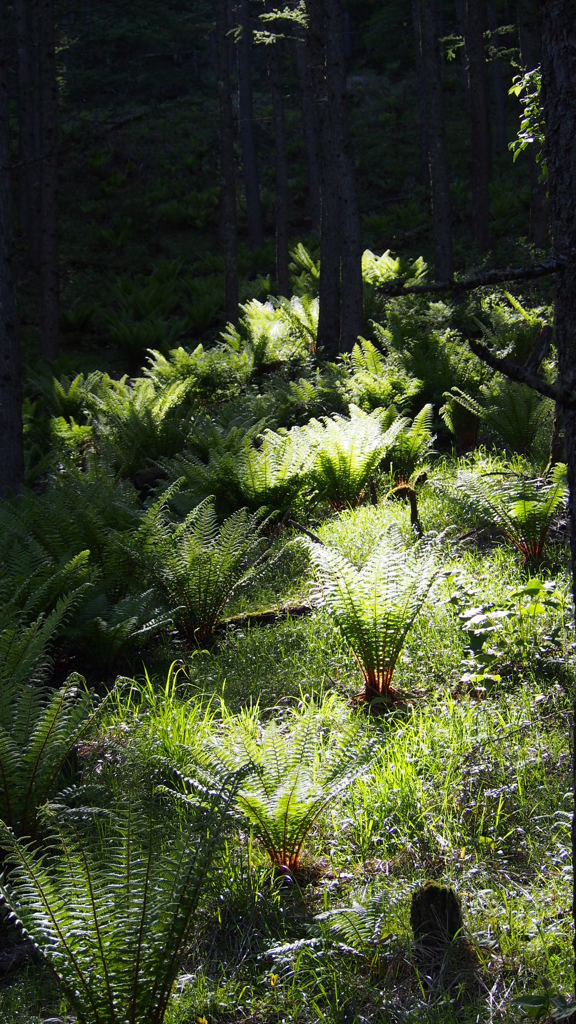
{"x": 521, "y": 508}
{"x": 375, "y": 607}
{"x": 296, "y": 768}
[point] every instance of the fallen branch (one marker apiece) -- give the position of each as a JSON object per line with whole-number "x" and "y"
{"x": 268, "y": 615}
{"x": 466, "y": 284}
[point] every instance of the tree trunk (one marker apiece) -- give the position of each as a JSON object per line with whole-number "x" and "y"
{"x": 281, "y": 162}
{"x": 49, "y": 270}
{"x": 11, "y": 457}
{"x": 531, "y": 55}
{"x": 311, "y": 131}
{"x": 351, "y": 287}
{"x": 228, "y": 206}
{"x": 475, "y": 26}
{"x": 330, "y": 235}
{"x": 246, "y": 127}
{"x": 416, "y": 26}
{"x": 437, "y": 155}
{"x": 559, "y": 94}
{"x": 26, "y": 19}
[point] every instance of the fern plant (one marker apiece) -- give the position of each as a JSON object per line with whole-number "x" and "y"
{"x": 376, "y": 380}
{"x": 39, "y": 729}
{"x": 374, "y": 607}
{"x": 272, "y": 474}
{"x": 198, "y": 564}
{"x": 138, "y": 422}
{"x": 111, "y": 915}
{"x": 347, "y": 451}
{"x": 411, "y": 447}
{"x": 297, "y": 767}
{"x": 521, "y": 508}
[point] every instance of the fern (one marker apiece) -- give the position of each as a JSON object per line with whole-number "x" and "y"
{"x": 516, "y": 415}
{"x": 411, "y": 447}
{"x": 297, "y": 768}
{"x": 347, "y": 451}
{"x": 39, "y": 729}
{"x": 198, "y": 564}
{"x": 375, "y": 607}
{"x": 376, "y": 380}
{"x": 136, "y": 423}
{"x": 521, "y": 508}
{"x": 111, "y": 917}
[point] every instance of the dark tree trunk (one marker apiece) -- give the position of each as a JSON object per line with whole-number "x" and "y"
{"x": 228, "y": 207}
{"x": 281, "y": 162}
{"x": 559, "y": 94}
{"x": 499, "y": 90}
{"x": 11, "y": 457}
{"x": 351, "y": 287}
{"x": 49, "y": 269}
{"x": 246, "y": 127}
{"x": 437, "y": 155}
{"x": 475, "y": 26}
{"x": 424, "y": 169}
{"x": 311, "y": 131}
{"x": 461, "y": 21}
{"x": 531, "y": 55}
{"x": 26, "y": 19}
{"x": 330, "y": 235}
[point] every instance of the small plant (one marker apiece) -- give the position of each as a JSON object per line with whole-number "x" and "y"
{"x": 521, "y": 508}
{"x": 297, "y": 768}
{"x": 39, "y": 729}
{"x": 111, "y": 916}
{"x": 347, "y": 451}
{"x": 197, "y": 565}
{"x": 374, "y": 607}
{"x": 411, "y": 447}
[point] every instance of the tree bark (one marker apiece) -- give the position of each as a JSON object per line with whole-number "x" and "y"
{"x": 416, "y": 26}
{"x": 531, "y": 55}
{"x": 328, "y": 333}
{"x": 351, "y": 286}
{"x": 26, "y": 20}
{"x": 437, "y": 153}
{"x": 281, "y": 162}
{"x": 475, "y": 26}
{"x": 228, "y": 201}
{"x": 559, "y": 95}
{"x": 49, "y": 269}
{"x": 311, "y": 131}
{"x": 11, "y": 454}
{"x": 246, "y": 127}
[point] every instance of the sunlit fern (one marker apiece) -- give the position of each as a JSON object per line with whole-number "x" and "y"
{"x": 377, "y": 380}
{"x": 523, "y": 509}
{"x": 411, "y": 447}
{"x": 374, "y": 607}
{"x": 301, "y": 315}
{"x": 304, "y": 271}
{"x": 198, "y": 565}
{"x": 516, "y": 415}
{"x": 347, "y": 451}
{"x": 39, "y": 729}
{"x": 111, "y": 916}
{"x": 209, "y": 373}
{"x": 381, "y": 270}
{"x": 298, "y": 766}
{"x": 271, "y": 474}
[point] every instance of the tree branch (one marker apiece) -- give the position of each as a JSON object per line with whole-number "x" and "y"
{"x": 466, "y": 284}
{"x": 521, "y": 374}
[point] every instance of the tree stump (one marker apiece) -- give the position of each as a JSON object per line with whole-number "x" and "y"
{"x": 443, "y": 955}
